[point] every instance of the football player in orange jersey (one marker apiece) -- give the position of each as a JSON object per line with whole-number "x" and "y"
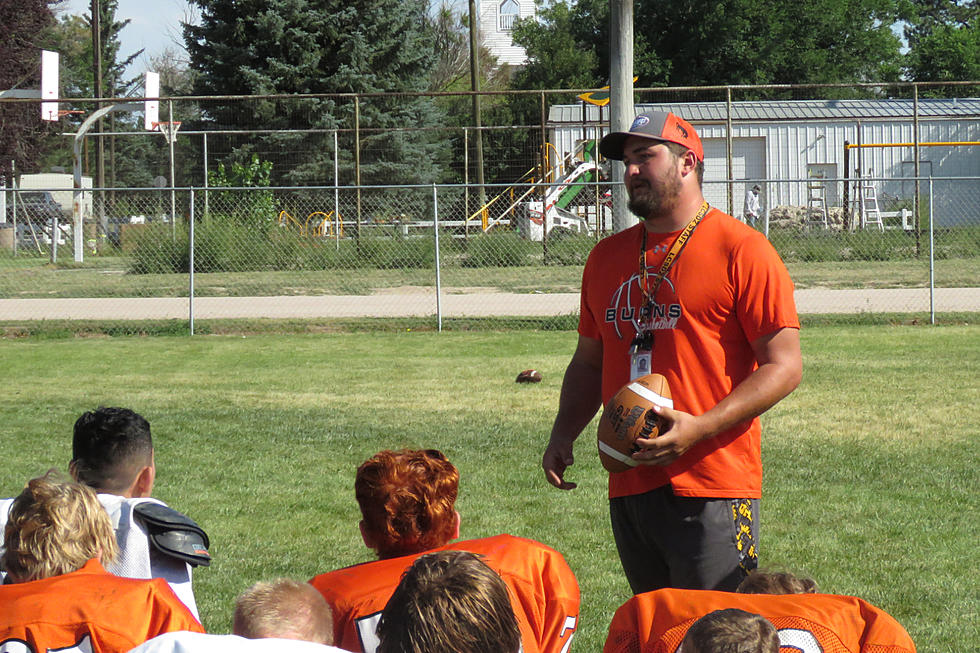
{"x": 449, "y": 602}
{"x": 59, "y": 596}
{"x": 112, "y": 453}
{"x": 279, "y": 616}
{"x": 407, "y": 500}
{"x": 731, "y": 631}
{"x": 656, "y": 622}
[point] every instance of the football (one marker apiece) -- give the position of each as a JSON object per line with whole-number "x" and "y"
{"x": 529, "y": 376}
{"x": 629, "y": 415}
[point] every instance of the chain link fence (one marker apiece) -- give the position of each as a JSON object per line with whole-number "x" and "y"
{"x": 321, "y": 210}
{"x": 413, "y": 256}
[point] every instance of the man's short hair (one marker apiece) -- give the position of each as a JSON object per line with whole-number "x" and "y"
{"x": 776, "y": 582}
{"x": 109, "y": 448}
{"x": 407, "y": 500}
{"x": 731, "y": 631}
{"x": 679, "y": 151}
{"x": 54, "y": 528}
{"x": 283, "y": 608}
{"x": 449, "y": 602}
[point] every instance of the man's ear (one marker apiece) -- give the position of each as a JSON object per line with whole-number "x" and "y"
{"x": 689, "y": 163}
{"x": 456, "y": 530}
{"x": 73, "y": 470}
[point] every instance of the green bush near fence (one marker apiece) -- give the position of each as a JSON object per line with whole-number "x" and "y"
{"x": 499, "y": 250}
{"x": 569, "y": 249}
{"x": 233, "y": 247}
{"x": 817, "y": 246}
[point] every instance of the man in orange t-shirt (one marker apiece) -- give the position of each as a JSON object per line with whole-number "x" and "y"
{"x": 701, "y": 298}
{"x": 656, "y": 622}
{"x": 407, "y": 501}
{"x": 59, "y": 596}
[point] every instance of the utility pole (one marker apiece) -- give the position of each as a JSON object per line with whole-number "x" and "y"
{"x": 475, "y": 87}
{"x": 96, "y": 10}
{"x": 621, "y": 108}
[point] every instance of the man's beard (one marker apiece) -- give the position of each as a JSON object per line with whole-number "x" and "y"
{"x": 657, "y": 198}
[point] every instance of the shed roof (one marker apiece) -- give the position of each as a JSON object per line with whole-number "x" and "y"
{"x": 779, "y": 110}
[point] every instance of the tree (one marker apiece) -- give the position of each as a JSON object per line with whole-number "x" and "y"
{"x": 944, "y": 43}
{"x": 323, "y": 46}
{"x": 26, "y": 31}
{"x": 717, "y": 42}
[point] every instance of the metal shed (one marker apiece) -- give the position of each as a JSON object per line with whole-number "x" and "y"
{"x": 796, "y": 140}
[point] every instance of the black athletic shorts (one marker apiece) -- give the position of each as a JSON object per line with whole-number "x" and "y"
{"x": 685, "y": 542}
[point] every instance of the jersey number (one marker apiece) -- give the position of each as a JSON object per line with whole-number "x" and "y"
{"x": 20, "y": 646}
{"x": 367, "y": 631}
{"x": 569, "y": 628}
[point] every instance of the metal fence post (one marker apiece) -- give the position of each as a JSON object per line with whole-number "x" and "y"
{"x": 728, "y": 151}
{"x": 435, "y": 224}
{"x": 932, "y": 257}
{"x": 338, "y": 223}
{"x": 190, "y": 264}
{"x": 207, "y": 212}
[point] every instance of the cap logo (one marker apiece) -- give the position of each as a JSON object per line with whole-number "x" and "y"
{"x": 638, "y": 122}
{"x": 682, "y": 130}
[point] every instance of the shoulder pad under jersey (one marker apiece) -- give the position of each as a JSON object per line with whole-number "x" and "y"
{"x": 173, "y": 533}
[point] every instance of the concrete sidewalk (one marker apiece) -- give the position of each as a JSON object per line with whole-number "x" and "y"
{"x": 423, "y": 303}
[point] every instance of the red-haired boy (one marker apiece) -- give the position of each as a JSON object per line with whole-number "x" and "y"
{"x": 407, "y": 500}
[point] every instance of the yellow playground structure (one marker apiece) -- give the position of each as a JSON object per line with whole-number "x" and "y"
{"x": 317, "y": 224}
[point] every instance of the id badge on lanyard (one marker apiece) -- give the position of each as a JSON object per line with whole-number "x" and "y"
{"x": 641, "y": 355}
{"x": 641, "y": 349}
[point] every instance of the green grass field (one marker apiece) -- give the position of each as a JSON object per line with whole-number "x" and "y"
{"x": 871, "y": 465}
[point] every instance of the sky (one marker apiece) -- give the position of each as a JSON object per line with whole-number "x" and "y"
{"x": 154, "y": 25}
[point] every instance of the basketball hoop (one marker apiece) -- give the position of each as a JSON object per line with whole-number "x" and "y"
{"x": 66, "y": 112}
{"x": 168, "y": 129}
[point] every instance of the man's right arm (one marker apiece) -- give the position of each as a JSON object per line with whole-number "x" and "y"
{"x": 581, "y": 397}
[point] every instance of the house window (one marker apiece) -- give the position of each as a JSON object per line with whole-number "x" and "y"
{"x": 508, "y": 12}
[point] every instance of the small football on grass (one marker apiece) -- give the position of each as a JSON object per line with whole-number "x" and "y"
{"x": 529, "y": 376}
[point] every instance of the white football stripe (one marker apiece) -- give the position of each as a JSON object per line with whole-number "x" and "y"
{"x": 650, "y": 395}
{"x": 612, "y": 453}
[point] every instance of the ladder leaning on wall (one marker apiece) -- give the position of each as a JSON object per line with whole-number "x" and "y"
{"x": 816, "y": 202}
{"x": 871, "y": 213}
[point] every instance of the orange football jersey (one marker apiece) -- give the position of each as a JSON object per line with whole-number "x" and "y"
{"x": 544, "y": 592}
{"x": 656, "y": 622}
{"x": 88, "y": 610}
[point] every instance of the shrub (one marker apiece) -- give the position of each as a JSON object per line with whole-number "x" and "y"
{"x": 160, "y": 250}
{"x": 499, "y": 250}
{"x": 398, "y": 253}
{"x": 569, "y": 249}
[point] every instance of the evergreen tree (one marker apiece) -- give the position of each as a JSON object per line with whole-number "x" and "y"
{"x": 265, "y": 47}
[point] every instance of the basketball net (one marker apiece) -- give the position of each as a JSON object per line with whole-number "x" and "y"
{"x": 168, "y": 129}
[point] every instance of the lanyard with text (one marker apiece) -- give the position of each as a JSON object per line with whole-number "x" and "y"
{"x": 641, "y": 349}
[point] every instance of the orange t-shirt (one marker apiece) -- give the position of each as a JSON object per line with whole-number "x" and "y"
{"x": 89, "y": 610}
{"x": 544, "y": 592}
{"x": 727, "y": 288}
{"x": 656, "y": 622}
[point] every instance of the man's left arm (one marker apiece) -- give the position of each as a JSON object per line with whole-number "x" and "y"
{"x": 779, "y": 372}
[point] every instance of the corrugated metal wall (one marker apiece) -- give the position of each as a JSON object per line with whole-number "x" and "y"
{"x": 791, "y": 151}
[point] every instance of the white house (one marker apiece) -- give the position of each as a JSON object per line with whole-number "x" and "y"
{"x": 497, "y": 18}
{"x": 782, "y": 144}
